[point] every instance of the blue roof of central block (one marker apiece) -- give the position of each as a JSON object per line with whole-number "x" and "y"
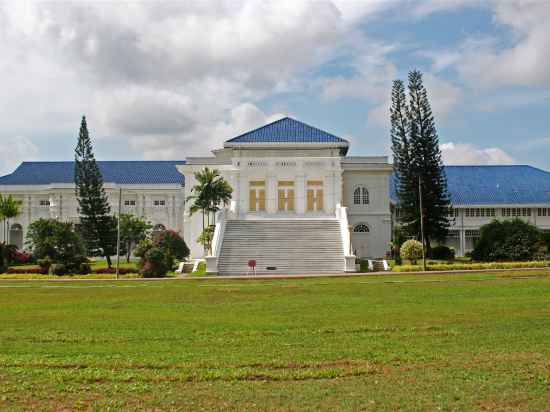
{"x": 121, "y": 172}
{"x": 494, "y": 185}
{"x": 287, "y": 130}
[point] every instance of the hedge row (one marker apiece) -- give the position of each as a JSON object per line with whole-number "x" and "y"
{"x": 112, "y": 271}
{"x": 471, "y": 266}
{"x": 44, "y": 271}
{"x": 33, "y": 271}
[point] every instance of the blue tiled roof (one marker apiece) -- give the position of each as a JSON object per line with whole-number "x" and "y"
{"x": 121, "y": 172}
{"x": 494, "y": 185}
{"x": 287, "y": 130}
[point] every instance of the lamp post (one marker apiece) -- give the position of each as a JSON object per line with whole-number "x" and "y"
{"x": 422, "y": 223}
{"x": 118, "y": 232}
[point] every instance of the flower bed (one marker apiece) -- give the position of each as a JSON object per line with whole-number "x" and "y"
{"x": 122, "y": 271}
{"x": 34, "y": 270}
{"x": 471, "y": 266}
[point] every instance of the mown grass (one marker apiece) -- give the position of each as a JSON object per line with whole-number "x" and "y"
{"x": 452, "y": 342}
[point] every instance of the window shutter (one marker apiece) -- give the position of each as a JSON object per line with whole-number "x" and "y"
{"x": 290, "y": 199}
{"x": 310, "y": 199}
{"x": 281, "y": 200}
{"x": 261, "y": 192}
{"x": 320, "y": 199}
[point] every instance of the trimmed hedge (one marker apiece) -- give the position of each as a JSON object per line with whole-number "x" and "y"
{"x": 44, "y": 271}
{"x": 471, "y": 266}
{"x": 23, "y": 271}
{"x": 112, "y": 271}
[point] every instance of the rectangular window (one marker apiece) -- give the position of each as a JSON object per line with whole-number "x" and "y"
{"x": 45, "y": 203}
{"x": 159, "y": 203}
{"x": 480, "y": 212}
{"x": 129, "y": 203}
{"x": 516, "y": 212}
{"x": 543, "y": 212}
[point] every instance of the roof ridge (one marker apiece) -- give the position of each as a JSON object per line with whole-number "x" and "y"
{"x": 261, "y": 127}
{"x": 312, "y": 134}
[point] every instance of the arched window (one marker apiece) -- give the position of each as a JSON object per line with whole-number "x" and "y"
{"x": 365, "y": 196}
{"x": 361, "y": 196}
{"x": 357, "y": 196}
{"x": 361, "y": 228}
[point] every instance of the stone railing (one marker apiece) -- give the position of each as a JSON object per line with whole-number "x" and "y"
{"x": 345, "y": 230}
{"x": 222, "y": 217}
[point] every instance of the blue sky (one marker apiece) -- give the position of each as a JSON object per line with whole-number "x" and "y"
{"x": 167, "y": 80}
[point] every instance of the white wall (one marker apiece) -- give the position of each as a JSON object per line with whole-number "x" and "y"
{"x": 376, "y": 214}
{"x": 63, "y": 204}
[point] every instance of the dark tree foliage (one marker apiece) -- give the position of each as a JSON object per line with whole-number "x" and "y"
{"x": 158, "y": 255}
{"x": 171, "y": 242}
{"x": 97, "y": 226}
{"x": 133, "y": 229}
{"x": 417, "y": 158}
{"x": 59, "y": 244}
{"x": 509, "y": 240}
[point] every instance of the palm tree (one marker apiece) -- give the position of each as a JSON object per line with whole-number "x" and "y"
{"x": 9, "y": 209}
{"x": 211, "y": 191}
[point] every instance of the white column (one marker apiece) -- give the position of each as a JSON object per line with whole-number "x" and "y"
{"x": 338, "y": 189}
{"x": 462, "y": 234}
{"x": 271, "y": 193}
{"x": 300, "y": 195}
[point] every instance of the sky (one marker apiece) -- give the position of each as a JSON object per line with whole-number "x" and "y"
{"x": 167, "y": 80}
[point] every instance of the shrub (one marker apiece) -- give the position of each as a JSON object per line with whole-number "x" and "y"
{"x": 34, "y": 271}
{"x": 58, "y": 269}
{"x": 470, "y": 266}
{"x": 514, "y": 240}
{"x": 157, "y": 256}
{"x": 45, "y": 263}
{"x": 3, "y": 257}
{"x": 57, "y": 243}
{"x": 411, "y": 250}
{"x": 442, "y": 252}
{"x": 154, "y": 261}
{"x": 171, "y": 242}
{"x": 20, "y": 257}
{"x": 121, "y": 271}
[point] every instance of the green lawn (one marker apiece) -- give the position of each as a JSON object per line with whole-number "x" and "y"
{"x": 453, "y": 342}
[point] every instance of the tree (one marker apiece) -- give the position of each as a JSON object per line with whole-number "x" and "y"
{"x": 172, "y": 243}
{"x": 411, "y": 250}
{"x": 157, "y": 255}
{"x": 96, "y": 223}
{"x": 59, "y": 243}
{"x": 210, "y": 192}
{"x": 133, "y": 229}
{"x": 9, "y": 209}
{"x": 509, "y": 240}
{"x": 417, "y": 162}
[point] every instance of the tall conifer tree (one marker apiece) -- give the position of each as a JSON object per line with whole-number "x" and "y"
{"x": 97, "y": 225}
{"x": 417, "y": 158}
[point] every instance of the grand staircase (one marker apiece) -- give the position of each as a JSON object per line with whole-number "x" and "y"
{"x": 282, "y": 247}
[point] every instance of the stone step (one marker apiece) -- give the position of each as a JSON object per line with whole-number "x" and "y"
{"x": 292, "y": 246}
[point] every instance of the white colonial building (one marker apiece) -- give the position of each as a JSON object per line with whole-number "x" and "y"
{"x": 296, "y": 196}
{"x": 151, "y": 189}
{"x": 300, "y": 203}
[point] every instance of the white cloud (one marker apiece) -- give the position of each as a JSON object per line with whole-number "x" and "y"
{"x": 487, "y": 63}
{"x": 443, "y": 96}
{"x": 20, "y": 149}
{"x": 468, "y": 154}
{"x": 172, "y": 78}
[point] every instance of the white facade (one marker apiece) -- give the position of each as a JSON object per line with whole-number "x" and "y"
{"x": 467, "y": 221}
{"x": 159, "y": 204}
{"x": 300, "y": 181}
